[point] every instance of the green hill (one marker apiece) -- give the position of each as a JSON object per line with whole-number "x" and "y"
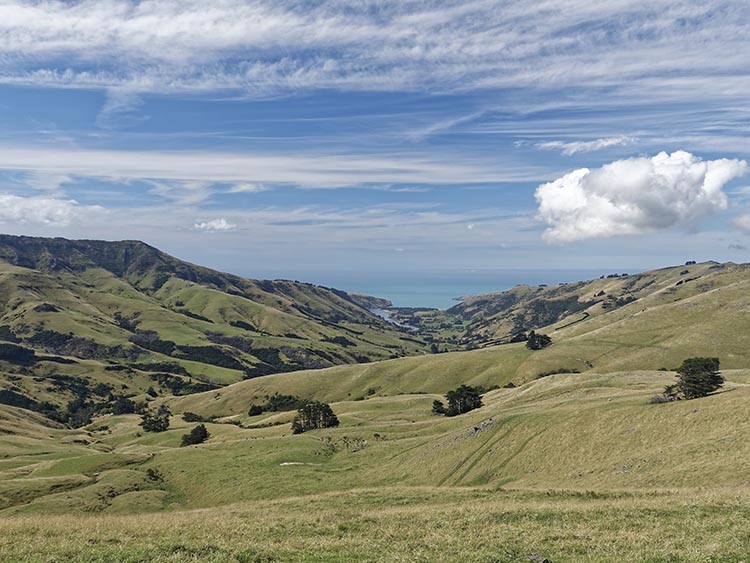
{"x": 557, "y": 464}
{"x": 115, "y": 319}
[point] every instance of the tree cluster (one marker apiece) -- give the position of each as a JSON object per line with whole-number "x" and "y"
{"x": 276, "y": 403}
{"x": 157, "y": 421}
{"x": 461, "y": 400}
{"x": 537, "y": 341}
{"x": 696, "y": 377}
{"x": 312, "y": 415}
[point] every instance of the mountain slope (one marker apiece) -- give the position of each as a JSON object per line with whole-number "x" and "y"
{"x": 123, "y": 317}
{"x": 496, "y": 318}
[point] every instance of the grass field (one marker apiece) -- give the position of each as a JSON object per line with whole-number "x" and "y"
{"x": 567, "y": 459}
{"x": 575, "y": 467}
{"x": 405, "y": 524}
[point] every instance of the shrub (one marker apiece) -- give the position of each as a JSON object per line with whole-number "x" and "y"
{"x": 255, "y": 410}
{"x": 156, "y": 421}
{"x": 312, "y": 415}
{"x": 188, "y": 416}
{"x": 197, "y": 435}
{"x": 438, "y": 407}
{"x": 123, "y": 405}
{"x": 659, "y": 399}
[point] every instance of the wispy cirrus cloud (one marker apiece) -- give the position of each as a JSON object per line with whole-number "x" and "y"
{"x": 669, "y": 49}
{"x": 572, "y": 147}
{"x": 176, "y": 173}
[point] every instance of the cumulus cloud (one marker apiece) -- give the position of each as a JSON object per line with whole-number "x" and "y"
{"x": 573, "y": 147}
{"x": 636, "y": 195}
{"x": 43, "y": 210}
{"x": 215, "y": 226}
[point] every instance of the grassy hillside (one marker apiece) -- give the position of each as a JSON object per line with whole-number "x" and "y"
{"x": 111, "y": 319}
{"x": 565, "y": 466}
{"x": 557, "y": 464}
{"x": 579, "y": 431}
{"x": 495, "y": 318}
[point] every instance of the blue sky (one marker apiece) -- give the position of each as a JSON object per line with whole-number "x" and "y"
{"x": 306, "y": 137}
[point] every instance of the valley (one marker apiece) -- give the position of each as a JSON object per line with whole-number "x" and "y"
{"x": 567, "y": 444}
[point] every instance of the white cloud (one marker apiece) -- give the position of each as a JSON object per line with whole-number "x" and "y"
{"x": 633, "y": 196}
{"x": 663, "y": 48}
{"x": 215, "y": 225}
{"x": 46, "y": 181}
{"x": 742, "y": 223}
{"x": 191, "y": 171}
{"x": 248, "y": 188}
{"x": 44, "y": 211}
{"x": 573, "y": 147}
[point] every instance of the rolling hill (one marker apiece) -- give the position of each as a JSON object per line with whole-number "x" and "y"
{"x": 117, "y": 319}
{"x": 566, "y": 459}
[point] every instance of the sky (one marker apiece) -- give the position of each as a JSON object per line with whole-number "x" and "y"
{"x": 304, "y": 139}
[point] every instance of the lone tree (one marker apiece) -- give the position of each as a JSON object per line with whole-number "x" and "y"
{"x": 197, "y": 435}
{"x": 537, "y": 341}
{"x": 312, "y": 415}
{"x": 156, "y": 421}
{"x": 460, "y": 400}
{"x": 697, "y": 377}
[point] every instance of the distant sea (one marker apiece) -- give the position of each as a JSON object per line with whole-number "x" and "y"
{"x": 438, "y": 289}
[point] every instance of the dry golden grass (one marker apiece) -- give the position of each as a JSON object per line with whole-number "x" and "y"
{"x": 404, "y": 525}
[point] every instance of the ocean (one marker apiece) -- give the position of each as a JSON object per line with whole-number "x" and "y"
{"x": 439, "y": 289}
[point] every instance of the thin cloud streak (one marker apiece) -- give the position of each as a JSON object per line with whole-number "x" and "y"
{"x": 309, "y": 171}
{"x": 573, "y": 147}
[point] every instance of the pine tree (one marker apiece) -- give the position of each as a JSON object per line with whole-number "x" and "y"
{"x": 698, "y": 377}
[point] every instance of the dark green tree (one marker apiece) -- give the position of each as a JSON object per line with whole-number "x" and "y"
{"x": 698, "y": 377}
{"x": 123, "y": 405}
{"x": 79, "y": 412}
{"x": 197, "y": 435}
{"x": 255, "y": 410}
{"x": 280, "y": 403}
{"x": 462, "y": 399}
{"x": 537, "y": 341}
{"x": 156, "y": 421}
{"x": 312, "y": 415}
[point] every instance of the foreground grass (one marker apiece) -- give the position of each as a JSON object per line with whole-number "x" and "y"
{"x": 404, "y": 524}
